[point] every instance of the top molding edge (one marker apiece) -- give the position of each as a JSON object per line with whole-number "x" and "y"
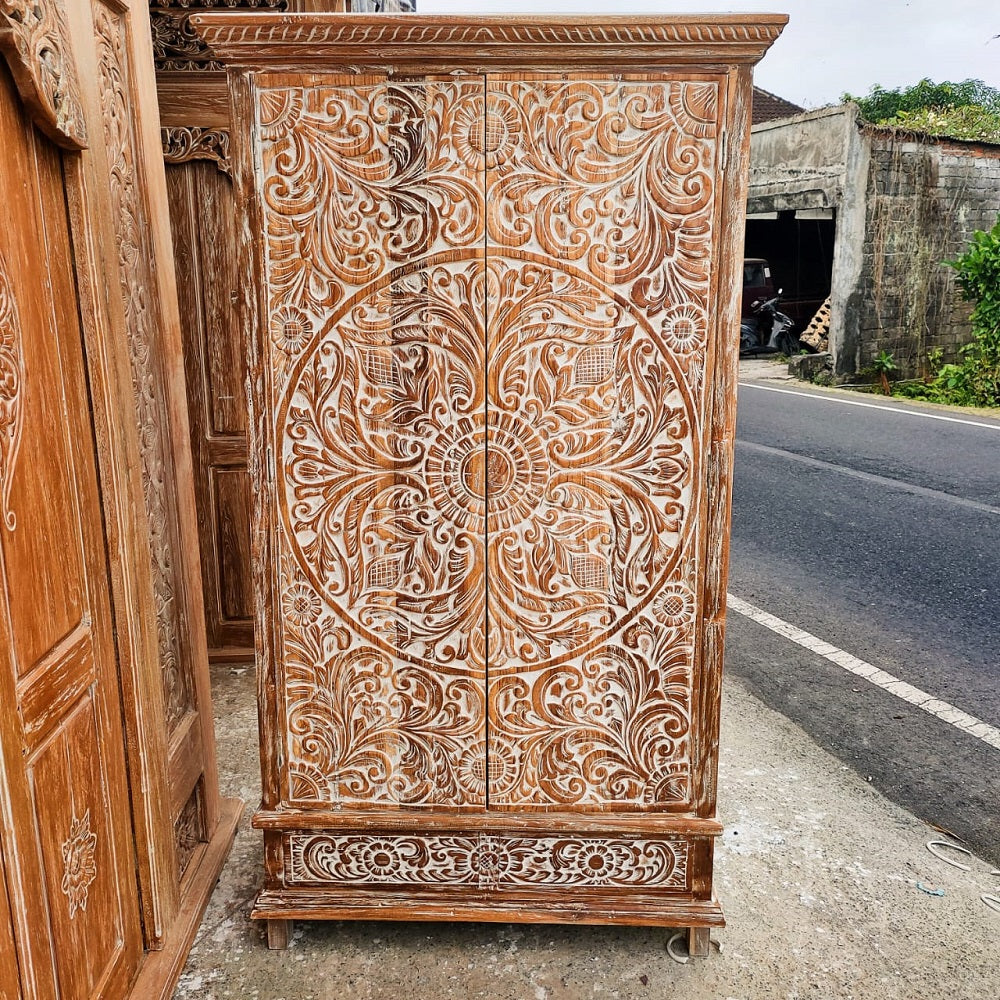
{"x": 313, "y": 41}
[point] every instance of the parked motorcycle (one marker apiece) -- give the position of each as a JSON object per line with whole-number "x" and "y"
{"x": 768, "y": 330}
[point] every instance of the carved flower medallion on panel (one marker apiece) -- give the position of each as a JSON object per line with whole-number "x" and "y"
{"x": 419, "y": 457}
{"x": 79, "y": 863}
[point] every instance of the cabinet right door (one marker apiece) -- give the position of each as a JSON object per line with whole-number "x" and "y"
{"x": 601, "y": 209}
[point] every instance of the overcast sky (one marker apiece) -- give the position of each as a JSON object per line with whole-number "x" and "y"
{"x": 829, "y": 46}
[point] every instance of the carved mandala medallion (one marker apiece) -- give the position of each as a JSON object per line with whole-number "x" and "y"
{"x": 420, "y": 453}
{"x": 487, "y": 472}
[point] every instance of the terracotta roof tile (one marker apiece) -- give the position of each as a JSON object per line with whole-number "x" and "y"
{"x": 767, "y": 106}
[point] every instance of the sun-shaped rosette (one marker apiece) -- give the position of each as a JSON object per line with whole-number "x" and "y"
{"x": 486, "y": 130}
{"x": 684, "y": 328}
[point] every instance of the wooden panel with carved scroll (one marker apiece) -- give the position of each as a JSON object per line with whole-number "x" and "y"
{"x": 600, "y": 227}
{"x": 376, "y": 353}
{"x": 68, "y": 838}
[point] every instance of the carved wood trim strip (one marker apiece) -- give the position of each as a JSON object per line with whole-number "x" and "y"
{"x": 11, "y": 381}
{"x": 136, "y": 289}
{"x": 35, "y": 40}
{"x": 495, "y": 42}
{"x": 486, "y": 861}
{"x": 183, "y": 144}
{"x": 209, "y": 4}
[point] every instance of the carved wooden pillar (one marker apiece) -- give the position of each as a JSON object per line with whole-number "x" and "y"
{"x": 490, "y": 280}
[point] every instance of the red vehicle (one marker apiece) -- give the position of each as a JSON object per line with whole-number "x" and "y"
{"x": 757, "y": 284}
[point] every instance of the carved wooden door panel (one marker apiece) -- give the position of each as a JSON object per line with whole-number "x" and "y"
{"x": 203, "y": 222}
{"x": 68, "y": 846}
{"x": 374, "y": 365}
{"x": 511, "y": 495}
{"x": 601, "y": 217}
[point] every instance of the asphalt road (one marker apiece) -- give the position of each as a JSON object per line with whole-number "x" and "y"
{"x": 876, "y": 529}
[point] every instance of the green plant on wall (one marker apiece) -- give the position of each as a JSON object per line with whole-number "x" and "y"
{"x": 966, "y": 110}
{"x": 975, "y": 379}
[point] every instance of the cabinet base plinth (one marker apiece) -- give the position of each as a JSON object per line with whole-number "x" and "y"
{"x": 634, "y": 908}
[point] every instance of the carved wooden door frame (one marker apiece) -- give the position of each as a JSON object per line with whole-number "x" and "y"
{"x": 85, "y": 71}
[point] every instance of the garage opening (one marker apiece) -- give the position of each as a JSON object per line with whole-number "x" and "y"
{"x": 798, "y": 245}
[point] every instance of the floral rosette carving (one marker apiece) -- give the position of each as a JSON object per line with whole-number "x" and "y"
{"x": 79, "y": 863}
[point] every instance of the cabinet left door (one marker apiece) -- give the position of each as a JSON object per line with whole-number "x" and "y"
{"x": 67, "y": 840}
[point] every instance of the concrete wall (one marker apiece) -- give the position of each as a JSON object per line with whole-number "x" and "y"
{"x": 382, "y": 6}
{"x": 924, "y": 200}
{"x": 799, "y": 162}
{"x": 903, "y": 204}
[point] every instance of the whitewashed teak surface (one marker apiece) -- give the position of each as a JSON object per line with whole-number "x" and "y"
{"x": 491, "y": 274}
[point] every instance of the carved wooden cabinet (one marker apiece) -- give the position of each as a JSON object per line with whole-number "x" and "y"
{"x": 491, "y": 272}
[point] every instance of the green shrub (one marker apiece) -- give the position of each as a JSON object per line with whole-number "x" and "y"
{"x": 975, "y": 379}
{"x": 966, "y": 110}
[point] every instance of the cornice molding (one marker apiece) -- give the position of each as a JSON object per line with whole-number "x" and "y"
{"x": 176, "y": 46}
{"x": 308, "y": 41}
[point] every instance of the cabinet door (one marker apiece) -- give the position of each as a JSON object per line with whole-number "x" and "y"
{"x": 67, "y": 839}
{"x": 204, "y": 227}
{"x": 601, "y": 212}
{"x": 372, "y": 376}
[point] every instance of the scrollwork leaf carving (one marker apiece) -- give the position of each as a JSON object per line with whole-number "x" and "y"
{"x": 182, "y": 144}
{"x": 11, "y": 392}
{"x": 35, "y": 39}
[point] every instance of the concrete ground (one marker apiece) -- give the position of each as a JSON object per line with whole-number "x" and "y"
{"x": 764, "y": 369}
{"x": 829, "y": 892}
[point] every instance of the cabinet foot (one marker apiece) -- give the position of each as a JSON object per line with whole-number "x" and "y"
{"x": 698, "y": 941}
{"x": 278, "y": 933}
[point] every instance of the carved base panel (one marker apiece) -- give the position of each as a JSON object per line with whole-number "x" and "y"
{"x": 601, "y": 878}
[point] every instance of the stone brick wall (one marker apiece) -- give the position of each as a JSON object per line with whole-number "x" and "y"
{"x": 924, "y": 199}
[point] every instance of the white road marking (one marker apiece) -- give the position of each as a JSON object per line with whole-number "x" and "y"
{"x": 871, "y": 406}
{"x": 969, "y": 725}
{"x": 869, "y": 477}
